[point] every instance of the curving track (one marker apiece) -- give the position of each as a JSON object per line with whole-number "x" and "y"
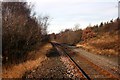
{"x": 86, "y": 68}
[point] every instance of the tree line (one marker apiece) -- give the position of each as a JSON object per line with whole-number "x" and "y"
{"x": 22, "y": 31}
{"x": 72, "y": 37}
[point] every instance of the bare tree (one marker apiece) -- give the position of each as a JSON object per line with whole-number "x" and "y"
{"x": 21, "y": 30}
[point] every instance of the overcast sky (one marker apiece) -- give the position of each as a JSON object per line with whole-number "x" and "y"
{"x": 67, "y": 13}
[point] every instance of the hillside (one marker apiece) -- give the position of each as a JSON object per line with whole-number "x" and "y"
{"x": 99, "y": 39}
{"x": 106, "y": 41}
{"x": 106, "y": 44}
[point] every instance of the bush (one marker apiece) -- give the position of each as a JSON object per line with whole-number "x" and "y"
{"x": 21, "y": 31}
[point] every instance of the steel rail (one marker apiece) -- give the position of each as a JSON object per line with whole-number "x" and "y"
{"x": 81, "y": 70}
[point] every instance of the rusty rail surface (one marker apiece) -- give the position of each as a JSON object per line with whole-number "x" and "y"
{"x": 80, "y": 69}
{"x": 99, "y": 69}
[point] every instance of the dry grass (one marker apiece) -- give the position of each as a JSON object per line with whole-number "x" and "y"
{"x": 17, "y": 71}
{"x": 104, "y": 44}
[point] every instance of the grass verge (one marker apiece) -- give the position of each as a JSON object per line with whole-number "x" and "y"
{"x": 17, "y": 71}
{"x": 103, "y": 45}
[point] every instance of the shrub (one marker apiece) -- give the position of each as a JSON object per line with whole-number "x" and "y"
{"x": 21, "y": 31}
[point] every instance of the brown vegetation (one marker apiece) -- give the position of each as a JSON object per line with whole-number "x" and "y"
{"x": 22, "y": 31}
{"x": 68, "y": 36}
{"x": 100, "y": 39}
{"x": 106, "y": 41}
{"x": 18, "y": 70}
{"x": 87, "y": 34}
{"x": 104, "y": 44}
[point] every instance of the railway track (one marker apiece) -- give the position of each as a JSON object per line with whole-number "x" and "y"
{"x": 87, "y": 69}
{"x": 81, "y": 71}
